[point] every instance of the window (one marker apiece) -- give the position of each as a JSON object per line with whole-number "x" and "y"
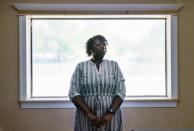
{"x": 145, "y": 46}
{"x": 136, "y": 42}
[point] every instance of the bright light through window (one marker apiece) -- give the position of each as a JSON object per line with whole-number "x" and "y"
{"x": 138, "y": 45}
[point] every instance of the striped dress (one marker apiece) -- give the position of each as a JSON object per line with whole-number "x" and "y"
{"x": 98, "y": 88}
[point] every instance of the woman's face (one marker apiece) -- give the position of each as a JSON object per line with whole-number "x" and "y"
{"x": 98, "y": 49}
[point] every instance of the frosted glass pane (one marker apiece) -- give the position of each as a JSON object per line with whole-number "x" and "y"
{"x": 138, "y": 45}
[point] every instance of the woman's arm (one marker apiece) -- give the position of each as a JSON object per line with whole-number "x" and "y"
{"x": 117, "y": 101}
{"x": 120, "y": 89}
{"x": 74, "y": 90}
{"x": 79, "y": 103}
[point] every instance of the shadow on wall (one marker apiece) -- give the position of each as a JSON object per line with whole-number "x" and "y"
{"x": 1, "y": 128}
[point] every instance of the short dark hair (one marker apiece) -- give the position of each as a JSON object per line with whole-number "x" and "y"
{"x": 90, "y": 42}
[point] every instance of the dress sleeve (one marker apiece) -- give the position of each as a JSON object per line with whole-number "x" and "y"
{"x": 120, "y": 83}
{"x": 75, "y": 83}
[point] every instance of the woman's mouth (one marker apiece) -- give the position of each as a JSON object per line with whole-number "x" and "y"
{"x": 102, "y": 52}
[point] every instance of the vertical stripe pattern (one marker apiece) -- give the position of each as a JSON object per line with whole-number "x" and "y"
{"x": 98, "y": 88}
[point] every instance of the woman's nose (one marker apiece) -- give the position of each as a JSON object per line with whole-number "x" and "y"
{"x": 102, "y": 46}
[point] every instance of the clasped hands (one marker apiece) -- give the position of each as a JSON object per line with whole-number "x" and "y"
{"x": 99, "y": 121}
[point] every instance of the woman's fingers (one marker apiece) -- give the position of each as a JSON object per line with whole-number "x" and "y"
{"x": 96, "y": 123}
{"x": 106, "y": 119}
{"x": 104, "y": 122}
{"x": 94, "y": 120}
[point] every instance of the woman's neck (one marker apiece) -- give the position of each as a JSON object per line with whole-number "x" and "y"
{"x": 97, "y": 60}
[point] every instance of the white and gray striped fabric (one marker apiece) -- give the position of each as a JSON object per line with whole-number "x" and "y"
{"x": 98, "y": 88}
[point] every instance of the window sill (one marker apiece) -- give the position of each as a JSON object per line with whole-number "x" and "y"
{"x": 129, "y": 102}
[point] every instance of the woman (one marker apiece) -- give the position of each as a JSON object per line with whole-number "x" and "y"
{"x": 97, "y": 90}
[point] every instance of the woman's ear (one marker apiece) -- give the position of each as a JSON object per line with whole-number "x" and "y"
{"x": 91, "y": 51}
{"x": 105, "y": 49}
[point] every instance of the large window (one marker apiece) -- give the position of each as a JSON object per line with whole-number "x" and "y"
{"x": 137, "y": 43}
{"x": 145, "y": 46}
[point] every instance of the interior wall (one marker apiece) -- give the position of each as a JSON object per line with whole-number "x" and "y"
{"x": 13, "y": 118}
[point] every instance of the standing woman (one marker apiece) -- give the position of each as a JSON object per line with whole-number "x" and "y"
{"x": 97, "y": 89}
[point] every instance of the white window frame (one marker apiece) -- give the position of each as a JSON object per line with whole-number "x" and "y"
{"x": 25, "y": 57}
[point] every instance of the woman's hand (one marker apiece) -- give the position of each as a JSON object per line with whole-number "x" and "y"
{"x": 106, "y": 119}
{"x": 94, "y": 119}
